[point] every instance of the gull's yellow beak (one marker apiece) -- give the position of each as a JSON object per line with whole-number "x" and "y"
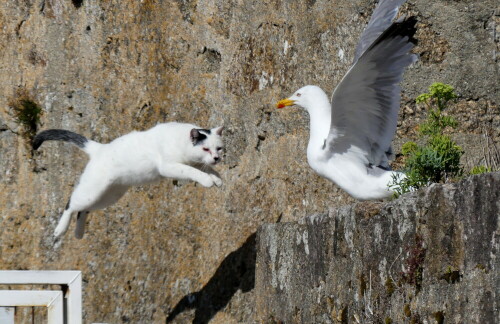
{"x": 285, "y": 102}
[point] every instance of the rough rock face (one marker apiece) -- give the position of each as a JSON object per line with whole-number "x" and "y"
{"x": 105, "y": 67}
{"x": 428, "y": 257}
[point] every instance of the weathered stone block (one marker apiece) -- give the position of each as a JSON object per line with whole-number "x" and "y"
{"x": 429, "y": 256}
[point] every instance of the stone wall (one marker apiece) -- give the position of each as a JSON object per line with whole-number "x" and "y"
{"x": 428, "y": 257}
{"x": 103, "y": 68}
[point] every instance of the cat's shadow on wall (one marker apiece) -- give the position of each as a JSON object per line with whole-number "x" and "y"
{"x": 236, "y": 272}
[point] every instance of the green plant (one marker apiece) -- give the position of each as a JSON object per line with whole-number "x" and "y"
{"x": 26, "y": 111}
{"x": 479, "y": 169}
{"x": 439, "y": 93}
{"x": 436, "y": 100}
{"x": 437, "y": 160}
{"x": 409, "y": 147}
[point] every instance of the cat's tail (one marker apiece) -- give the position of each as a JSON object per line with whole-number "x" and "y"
{"x": 64, "y": 135}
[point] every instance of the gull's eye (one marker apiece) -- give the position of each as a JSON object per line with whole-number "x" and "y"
{"x": 206, "y": 149}
{"x": 298, "y": 94}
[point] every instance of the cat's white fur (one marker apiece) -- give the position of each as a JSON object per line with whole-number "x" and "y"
{"x": 166, "y": 150}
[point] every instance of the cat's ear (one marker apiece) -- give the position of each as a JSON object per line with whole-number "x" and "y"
{"x": 195, "y": 135}
{"x": 219, "y": 130}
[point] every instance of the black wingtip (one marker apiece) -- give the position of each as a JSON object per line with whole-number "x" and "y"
{"x": 405, "y": 27}
{"x": 408, "y": 28}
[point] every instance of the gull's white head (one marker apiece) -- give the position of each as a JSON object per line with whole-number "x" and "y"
{"x": 306, "y": 97}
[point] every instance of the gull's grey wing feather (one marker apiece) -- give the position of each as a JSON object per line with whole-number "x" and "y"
{"x": 381, "y": 19}
{"x": 365, "y": 104}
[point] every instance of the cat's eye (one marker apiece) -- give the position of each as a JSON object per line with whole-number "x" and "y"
{"x": 206, "y": 149}
{"x": 219, "y": 149}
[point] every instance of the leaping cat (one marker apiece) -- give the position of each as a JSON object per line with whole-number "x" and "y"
{"x": 171, "y": 150}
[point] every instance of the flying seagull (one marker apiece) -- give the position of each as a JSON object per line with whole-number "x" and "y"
{"x": 350, "y": 139}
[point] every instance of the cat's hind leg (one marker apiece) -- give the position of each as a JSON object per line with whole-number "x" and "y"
{"x": 80, "y": 201}
{"x": 111, "y": 195}
{"x": 81, "y": 219}
{"x": 86, "y": 195}
{"x": 63, "y": 224}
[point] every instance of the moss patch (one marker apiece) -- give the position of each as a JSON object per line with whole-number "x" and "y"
{"x": 362, "y": 285}
{"x": 407, "y": 310}
{"x": 451, "y": 276}
{"x": 389, "y": 286}
{"x": 26, "y": 112}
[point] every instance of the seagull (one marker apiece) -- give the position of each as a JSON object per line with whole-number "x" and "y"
{"x": 350, "y": 139}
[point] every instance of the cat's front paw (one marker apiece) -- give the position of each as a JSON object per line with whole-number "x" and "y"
{"x": 206, "y": 181}
{"x": 217, "y": 180}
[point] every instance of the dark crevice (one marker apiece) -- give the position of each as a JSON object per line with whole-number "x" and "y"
{"x": 212, "y": 59}
{"x": 77, "y": 3}
{"x": 18, "y": 28}
{"x": 260, "y": 138}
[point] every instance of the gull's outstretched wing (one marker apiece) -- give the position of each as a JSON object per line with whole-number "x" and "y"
{"x": 365, "y": 104}
{"x": 381, "y": 19}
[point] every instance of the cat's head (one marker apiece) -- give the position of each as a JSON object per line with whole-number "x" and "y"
{"x": 207, "y": 145}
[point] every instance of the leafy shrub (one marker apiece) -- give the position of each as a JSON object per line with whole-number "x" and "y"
{"x": 437, "y": 160}
{"x": 439, "y": 93}
{"x": 436, "y": 100}
{"x": 409, "y": 147}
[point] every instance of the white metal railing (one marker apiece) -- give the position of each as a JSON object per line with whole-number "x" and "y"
{"x": 7, "y": 315}
{"x": 52, "y": 299}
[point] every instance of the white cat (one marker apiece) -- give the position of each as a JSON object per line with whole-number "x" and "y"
{"x": 171, "y": 150}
